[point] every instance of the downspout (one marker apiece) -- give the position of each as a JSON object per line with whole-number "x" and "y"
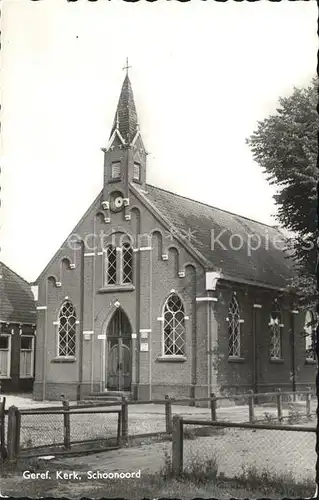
{"x": 211, "y": 284}
{"x": 255, "y": 360}
{"x": 194, "y": 338}
{"x": 78, "y": 392}
{"x": 150, "y": 320}
{"x": 293, "y": 356}
{"x": 209, "y": 349}
{"x": 138, "y": 312}
{"x": 45, "y": 347}
{"x": 93, "y": 309}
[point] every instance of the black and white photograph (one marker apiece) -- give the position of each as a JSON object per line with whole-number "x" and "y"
{"x": 158, "y": 288}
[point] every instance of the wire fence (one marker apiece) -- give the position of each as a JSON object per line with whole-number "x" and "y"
{"x": 41, "y": 429}
{"x": 246, "y": 451}
{"x": 59, "y": 430}
{"x": 103, "y": 421}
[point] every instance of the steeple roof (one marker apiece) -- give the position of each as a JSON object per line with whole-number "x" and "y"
{"x": 125, "y": 120}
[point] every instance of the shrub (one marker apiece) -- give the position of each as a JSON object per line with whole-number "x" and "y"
{"x": 269, "y": 417}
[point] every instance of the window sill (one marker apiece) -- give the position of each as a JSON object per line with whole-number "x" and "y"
{"x": 276, "y": 361}
{"x": 172, "y": 359}
{"x": 26, "y": 376}
{"x": 310, "y": 362}
{"x": 236, "y": 359}
{"x": 70, "y": 359}
{"x": 117, "y": 288}
{"x": 5, "y": 377}
{"x": 115, "y": 179}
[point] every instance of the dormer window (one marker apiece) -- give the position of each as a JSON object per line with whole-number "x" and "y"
{"x": 116, "y": 170}
{"x": 136, "y": 172}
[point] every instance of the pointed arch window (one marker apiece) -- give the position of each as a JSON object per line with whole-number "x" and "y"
{"x": 310, "y": 335}
{"x": 110, "y": 265}
{"x": 67, "y": 330}
{"x": 275, "y": 325}
{"x": 174, "y": 327}
{"x": 127, "y": 263}
{"x": 234, "y": 345}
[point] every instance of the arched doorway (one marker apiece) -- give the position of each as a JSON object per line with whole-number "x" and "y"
{"x": 119, "y": 356}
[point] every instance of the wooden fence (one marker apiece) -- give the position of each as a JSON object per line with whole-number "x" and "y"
{"x": 12, "y": 450}
{"x": 178, "y": 435}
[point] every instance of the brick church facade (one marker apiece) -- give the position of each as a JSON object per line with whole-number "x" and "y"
{"x": 156, "y": 294}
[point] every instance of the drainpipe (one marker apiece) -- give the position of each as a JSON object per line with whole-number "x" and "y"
{"x": 150, "y": 320}
{"x": 209, "y": 349}
{"x": 93, "y": 309}
{"x": 45, "y": 347}
{"x": 78, "y": 392}
{"x": 255, "y": 354}
{"x": 292, "y": 346}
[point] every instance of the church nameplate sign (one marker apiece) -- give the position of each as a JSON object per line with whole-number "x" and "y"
{"x": 144, "y": 347}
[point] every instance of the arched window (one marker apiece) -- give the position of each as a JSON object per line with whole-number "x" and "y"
{"x": 67, "y": 330}
{"x": 234, "y": 328}
{"x": 174, "y": 327}
{"x": 310, "y": 335}
{"x": 110, "y": 265}
{"x": 127, "y": 263}
{"x": 275, "y": 325}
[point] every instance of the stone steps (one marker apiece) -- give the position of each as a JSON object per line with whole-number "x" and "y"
{"x": 108, "y": 396}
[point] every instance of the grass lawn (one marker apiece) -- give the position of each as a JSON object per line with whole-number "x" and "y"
{"x": 200, "y": 480}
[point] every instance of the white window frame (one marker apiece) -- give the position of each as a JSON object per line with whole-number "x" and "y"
{"x": 118, "y": 165}
{"x": 106, "y": 266}
{"x": 279, "y": 328}
{"x": 136, "y": 168}
{"x": 238, "y": 326}
{"x": 8, "y": 376}
{"x": 72, "y": 356}
{"x": 121, "y": 267}
{"x": 32, "y": 356}
{"x": 311, "y": 338}
{"x": 164, "y": 355}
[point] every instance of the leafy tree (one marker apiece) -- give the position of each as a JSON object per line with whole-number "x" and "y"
{"x": 285, "y": 145}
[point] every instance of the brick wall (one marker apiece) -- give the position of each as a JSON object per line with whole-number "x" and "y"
{"x": 154, "y": 278}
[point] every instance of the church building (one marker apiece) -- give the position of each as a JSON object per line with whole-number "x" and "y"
{"x": 154, "y": 294}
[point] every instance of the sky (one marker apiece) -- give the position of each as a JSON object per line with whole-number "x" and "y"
{"x": 203, "y": 74}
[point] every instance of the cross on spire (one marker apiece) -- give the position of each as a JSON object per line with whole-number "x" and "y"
{"x": 127, "y": 66}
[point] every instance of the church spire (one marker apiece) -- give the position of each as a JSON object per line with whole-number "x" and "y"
{"x": 125, "y": 155}
{"x": 125, "y": 120}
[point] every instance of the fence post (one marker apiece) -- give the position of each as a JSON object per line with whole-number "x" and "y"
{"x": 66, "y": 425}
{"x": 18, "y": 430}
{"x": 213, "y": 407}
{"x": 279, "y": 405}
{"x": 124, "y": 419}
{"x": 177, "y": 446}
{"x": 251, "y": 406}
{"x": 308, "y": 402}
{"x": 3, "y": 451}
{"x": 168, "y": 414}
{"x": 12, "y": 431}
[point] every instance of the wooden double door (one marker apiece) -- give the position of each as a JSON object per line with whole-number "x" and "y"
{"x": 119, "y": 353}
